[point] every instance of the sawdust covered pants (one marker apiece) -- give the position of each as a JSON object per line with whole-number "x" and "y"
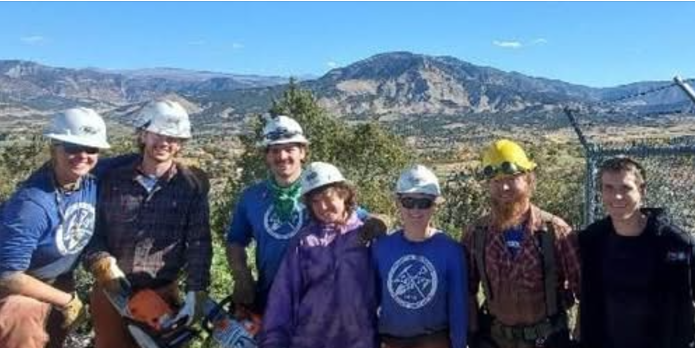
{"x": 29, "y": 323}
{"x": 109, "y": 328}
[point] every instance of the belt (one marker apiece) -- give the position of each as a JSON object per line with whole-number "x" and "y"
{"x": 416, "y": 341}
{"x": 530, "y": 333}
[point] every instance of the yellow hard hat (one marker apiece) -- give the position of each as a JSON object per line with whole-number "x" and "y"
{"x": 505, "y": 157}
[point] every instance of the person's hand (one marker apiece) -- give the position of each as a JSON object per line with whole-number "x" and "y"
{"x": 108, "y": 275}
{"x": 244, "y": 291}
{"x": 73, "y": 313}
{"x": 192, "y": 309}
{"x": 373, "y": 227}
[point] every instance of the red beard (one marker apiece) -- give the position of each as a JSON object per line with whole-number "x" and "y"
{"x": 509, "y": 214}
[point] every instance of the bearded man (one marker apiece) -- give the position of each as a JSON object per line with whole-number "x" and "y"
{"x": 526, "y": 260}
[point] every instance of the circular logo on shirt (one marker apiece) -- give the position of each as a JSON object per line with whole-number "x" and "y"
{"x": 412, "y": 281}
{"x": 287, "y": 229}
{"x": 73, "y": 234}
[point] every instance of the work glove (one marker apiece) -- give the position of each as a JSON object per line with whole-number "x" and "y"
{"x": 244, "y": 290}
{"x": 73, "y": 313}
{"x": 192, "y": 309}
{"x": 108, "y": 275}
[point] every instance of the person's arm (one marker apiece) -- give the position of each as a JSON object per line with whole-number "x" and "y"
{"x": 567, "y": 247}
{"x": 457, "y": 300}
{"x": 467, "y": 240}
{"x": 280, "y": 315}
{"x": 20, "y": 229}
{"x": 239, "y": 236}
{"x": 198, "y": 244}
{"x": 98, "y": 245}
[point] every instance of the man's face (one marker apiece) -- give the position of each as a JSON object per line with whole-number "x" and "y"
{"x": 73, "y": 161}
{"x": 621, "y": 193}
{"x": 160, "y": 148}
{"x": 285, "y": 160}
{"x": 510, "y": 196}
{"x": 507, "y": 189}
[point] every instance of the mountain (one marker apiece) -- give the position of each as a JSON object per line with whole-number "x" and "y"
{"x": 408, "y": 84}
{"x": 396, "y": 84}
{"x": 28, "y": 88}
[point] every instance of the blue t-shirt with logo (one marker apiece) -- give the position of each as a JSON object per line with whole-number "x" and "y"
{"x": 44, "y": 230}
{"x": 255, "y": 218}
{"x": 422, "y": 286}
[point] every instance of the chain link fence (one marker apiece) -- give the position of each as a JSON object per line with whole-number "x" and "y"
{"x": 668, "y": 158}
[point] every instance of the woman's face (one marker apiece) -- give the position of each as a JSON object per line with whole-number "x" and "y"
{"x": 329, "y": 206}
{"x": 73, "y": 161}
{"x": 416, "y": 209}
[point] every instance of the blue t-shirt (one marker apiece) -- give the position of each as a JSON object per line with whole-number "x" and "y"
{"x": 44, "y": 230}
{"x": 513, "y": 238}
{"x": 255, "y": 219}
{"x": 422, "y": 286}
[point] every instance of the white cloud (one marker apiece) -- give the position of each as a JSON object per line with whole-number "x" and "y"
{"x": 237, "y": 46}
{"x": 33, "y": 39}
{"x": 539, "y": 41}
{"x": 332, "y": 64}
{"x": 507, "y": 44}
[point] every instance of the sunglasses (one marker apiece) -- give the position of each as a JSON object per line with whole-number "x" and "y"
{"x": 505, "y": 168}
{"x": 73, "y": 149}
{"x": 416, "y": 203}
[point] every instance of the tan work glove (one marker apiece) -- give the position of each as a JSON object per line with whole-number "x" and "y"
{"x": 73, "y": 313}
{"x": 108, "y": 275}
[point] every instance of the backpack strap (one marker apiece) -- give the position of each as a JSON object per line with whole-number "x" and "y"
{"x": 546, "y": 238}
{"x": 479, "y": 235}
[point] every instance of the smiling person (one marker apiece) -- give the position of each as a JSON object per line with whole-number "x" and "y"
{"x": 44, "y": 227}
{"x": 324, "y": 294}
{"x": 637, "y": 269}
{"x": 153, "y": 225}
{"x": 526, "y": 260}
{"x": 271, "y": 213}
{"x": 421, "y": 272}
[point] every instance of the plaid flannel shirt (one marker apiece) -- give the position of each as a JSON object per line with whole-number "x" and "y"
{"x": 517, "y": 283}
{"x": 155, "y": 235}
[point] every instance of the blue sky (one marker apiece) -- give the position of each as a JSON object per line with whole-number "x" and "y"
{"x": 591, "y": 43}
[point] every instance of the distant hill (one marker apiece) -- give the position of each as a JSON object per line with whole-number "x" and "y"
{"x": 408, "y": 84}
{"x": 391, "y": 86}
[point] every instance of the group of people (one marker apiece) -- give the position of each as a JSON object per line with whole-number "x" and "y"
{"x": 329, "y": 274}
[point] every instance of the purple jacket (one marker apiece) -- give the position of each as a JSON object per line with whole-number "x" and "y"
{"x": 324, "y": 294}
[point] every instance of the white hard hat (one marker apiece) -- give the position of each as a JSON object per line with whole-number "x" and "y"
{"x": 282, "y": 130}
{"x": 80, "y": 126}
{"x": 418, "y": 179}
{"x": 319, "y": 174}
{"x": 166, "y": 117}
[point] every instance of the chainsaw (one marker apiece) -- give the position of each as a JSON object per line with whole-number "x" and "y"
{"x": 149, "y": 320}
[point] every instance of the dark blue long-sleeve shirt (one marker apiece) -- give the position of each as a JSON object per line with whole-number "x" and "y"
{"x": 422, "y": 286}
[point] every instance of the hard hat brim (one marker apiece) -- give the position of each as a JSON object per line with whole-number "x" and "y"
{"x": 300, "y": 139}
{"x": 100, "y": 144}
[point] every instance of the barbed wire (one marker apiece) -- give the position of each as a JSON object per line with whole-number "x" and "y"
{"x": 643, "y": 93}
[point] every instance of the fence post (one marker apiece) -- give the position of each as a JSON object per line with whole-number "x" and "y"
{"x": 686, "y": 87}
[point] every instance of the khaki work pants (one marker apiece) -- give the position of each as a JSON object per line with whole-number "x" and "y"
{"x": 29, "y": 323}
